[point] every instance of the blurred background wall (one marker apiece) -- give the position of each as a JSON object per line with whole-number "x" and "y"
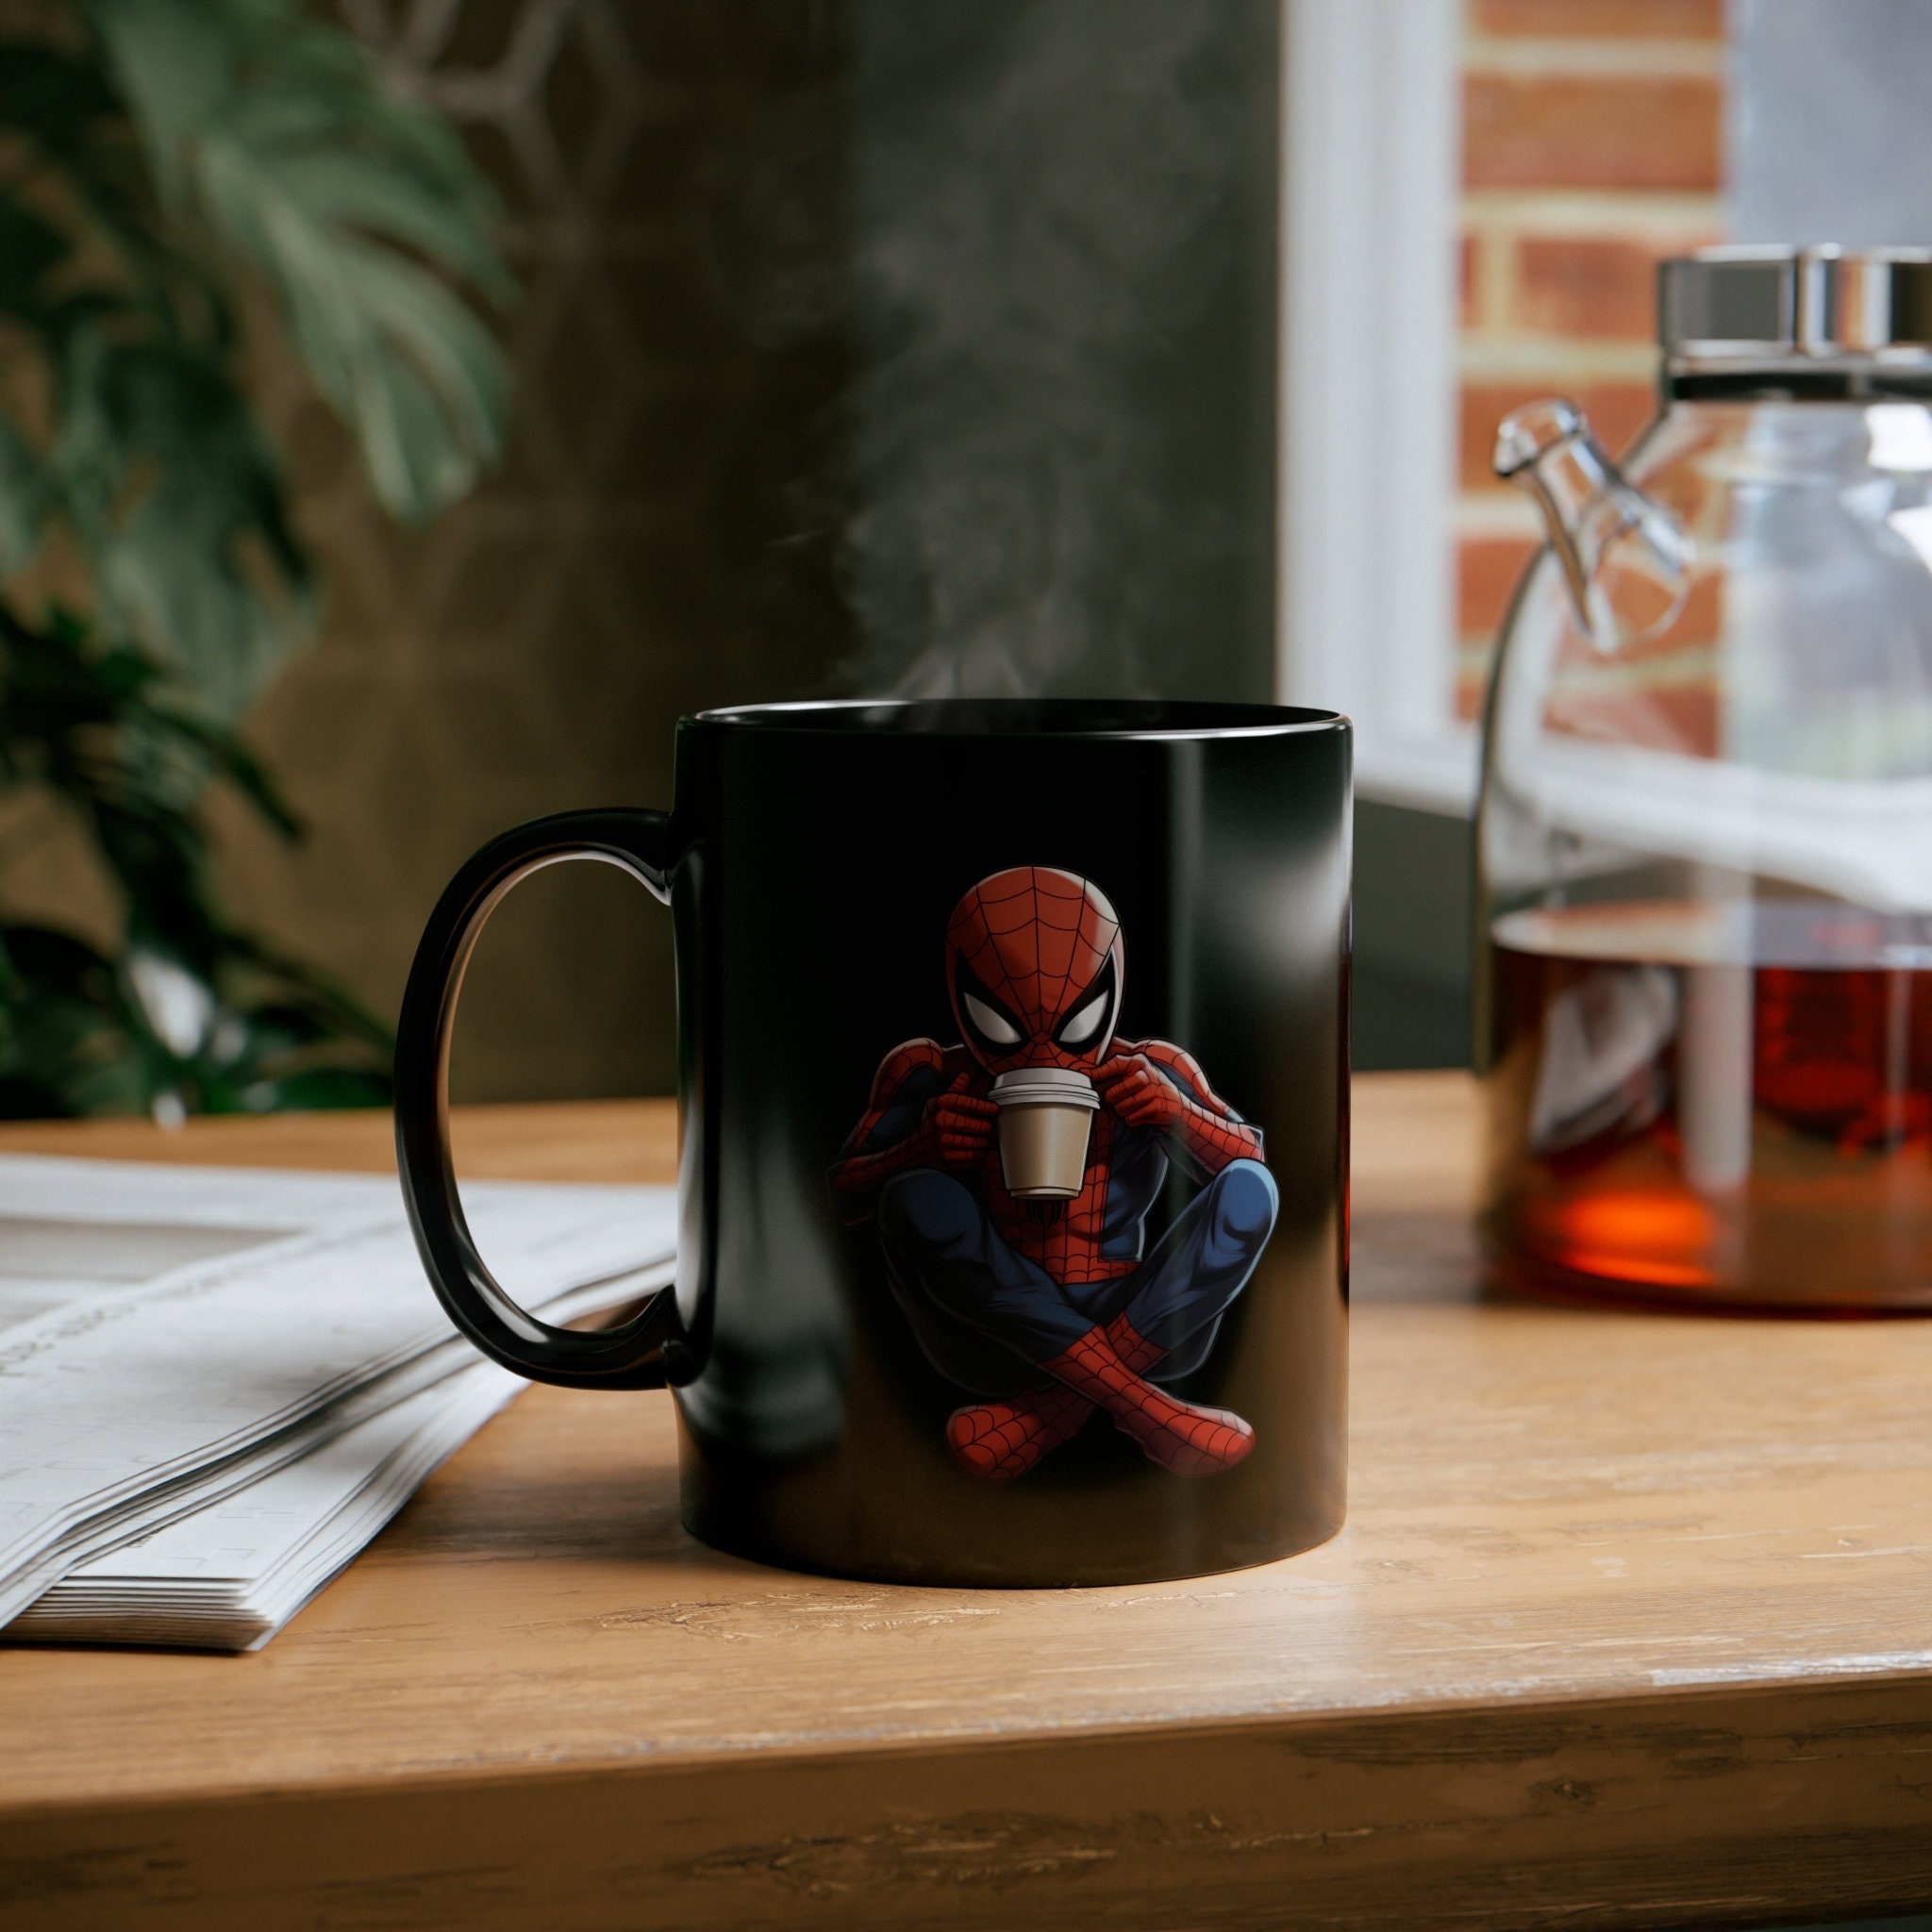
{"x": 1830, "y": 138}
{"x": 863, "y": 347}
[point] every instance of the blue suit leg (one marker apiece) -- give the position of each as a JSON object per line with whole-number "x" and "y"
{"x": 1178, "y": 1295}
{"x": 985, "y": 1316}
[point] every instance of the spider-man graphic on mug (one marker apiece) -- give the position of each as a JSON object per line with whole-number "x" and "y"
{"x": 1036, "y": 1292}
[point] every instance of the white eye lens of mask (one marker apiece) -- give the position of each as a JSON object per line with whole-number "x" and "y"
{"x": 1085, "y": 1024}
{"x": 989, "y": 1022}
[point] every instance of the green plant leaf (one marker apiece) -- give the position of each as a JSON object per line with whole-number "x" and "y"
{"x": 278, "y": 135}
{"x": 178, "y": 504}
{"x": 231, "y": 759}
{"x": 29, "y": 247}
{"x": 68, "y": 1048}
{"x": 51, "y": 97}
{"x": 23, "y": 501}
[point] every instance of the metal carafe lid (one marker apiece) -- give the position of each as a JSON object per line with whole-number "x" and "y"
{"x": 1779, "y": 304}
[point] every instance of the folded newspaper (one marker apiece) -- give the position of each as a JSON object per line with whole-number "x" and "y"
{"x": 217, "y": 1384}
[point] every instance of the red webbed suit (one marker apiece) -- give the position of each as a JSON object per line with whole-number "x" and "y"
{"x": 1056, "y": 1307}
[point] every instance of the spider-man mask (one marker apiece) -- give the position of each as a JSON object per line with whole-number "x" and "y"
{"x": 1034, "y": 968}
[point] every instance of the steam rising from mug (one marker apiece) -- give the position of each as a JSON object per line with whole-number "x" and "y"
{"x": 1061, "y": 422}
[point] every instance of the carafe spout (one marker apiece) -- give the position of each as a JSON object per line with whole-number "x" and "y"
{"x": 1626, "y": 560}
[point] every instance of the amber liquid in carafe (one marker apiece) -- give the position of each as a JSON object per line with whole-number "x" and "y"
{"x": 1725, "y": 1103}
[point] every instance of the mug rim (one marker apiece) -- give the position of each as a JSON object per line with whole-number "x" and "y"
{"x": 1044, "y": 718}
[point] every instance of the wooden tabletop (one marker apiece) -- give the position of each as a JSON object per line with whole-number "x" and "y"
{"x": 1631, "y": 1626}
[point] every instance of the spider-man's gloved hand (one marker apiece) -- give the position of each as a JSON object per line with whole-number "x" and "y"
{"x": 957, "y": 1125}
{"x": 1142, "y": 1096}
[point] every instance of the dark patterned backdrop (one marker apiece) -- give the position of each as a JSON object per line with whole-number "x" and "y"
{"x": 645, "y": 552}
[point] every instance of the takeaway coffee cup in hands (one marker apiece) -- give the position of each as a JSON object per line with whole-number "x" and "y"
{"x": 1046, "y": 1117}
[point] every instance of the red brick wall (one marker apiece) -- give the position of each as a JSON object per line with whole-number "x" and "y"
{"x": 1592, "y": 145}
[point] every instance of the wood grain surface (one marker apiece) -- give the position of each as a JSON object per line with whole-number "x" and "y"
{"x": 1630, "y": 1625}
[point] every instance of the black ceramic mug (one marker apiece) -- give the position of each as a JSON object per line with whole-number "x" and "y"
{"x": 1013, "y": 1175}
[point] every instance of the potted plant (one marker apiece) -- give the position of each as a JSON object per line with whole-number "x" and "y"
{"x": 171, "y": 171}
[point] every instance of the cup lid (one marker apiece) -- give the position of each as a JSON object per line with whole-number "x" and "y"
{"x": 1061, "y": 1086}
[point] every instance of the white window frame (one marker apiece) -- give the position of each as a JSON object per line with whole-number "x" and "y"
{"x": 1371, "y": 190}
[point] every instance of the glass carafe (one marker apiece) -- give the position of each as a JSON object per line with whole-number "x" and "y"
{"x": 1704, "y": 908}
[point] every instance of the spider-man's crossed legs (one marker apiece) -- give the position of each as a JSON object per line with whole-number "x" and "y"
{"x": 1046, "y": 1352}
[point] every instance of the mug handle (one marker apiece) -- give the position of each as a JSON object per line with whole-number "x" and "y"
{"x": 630, "y": 1356}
